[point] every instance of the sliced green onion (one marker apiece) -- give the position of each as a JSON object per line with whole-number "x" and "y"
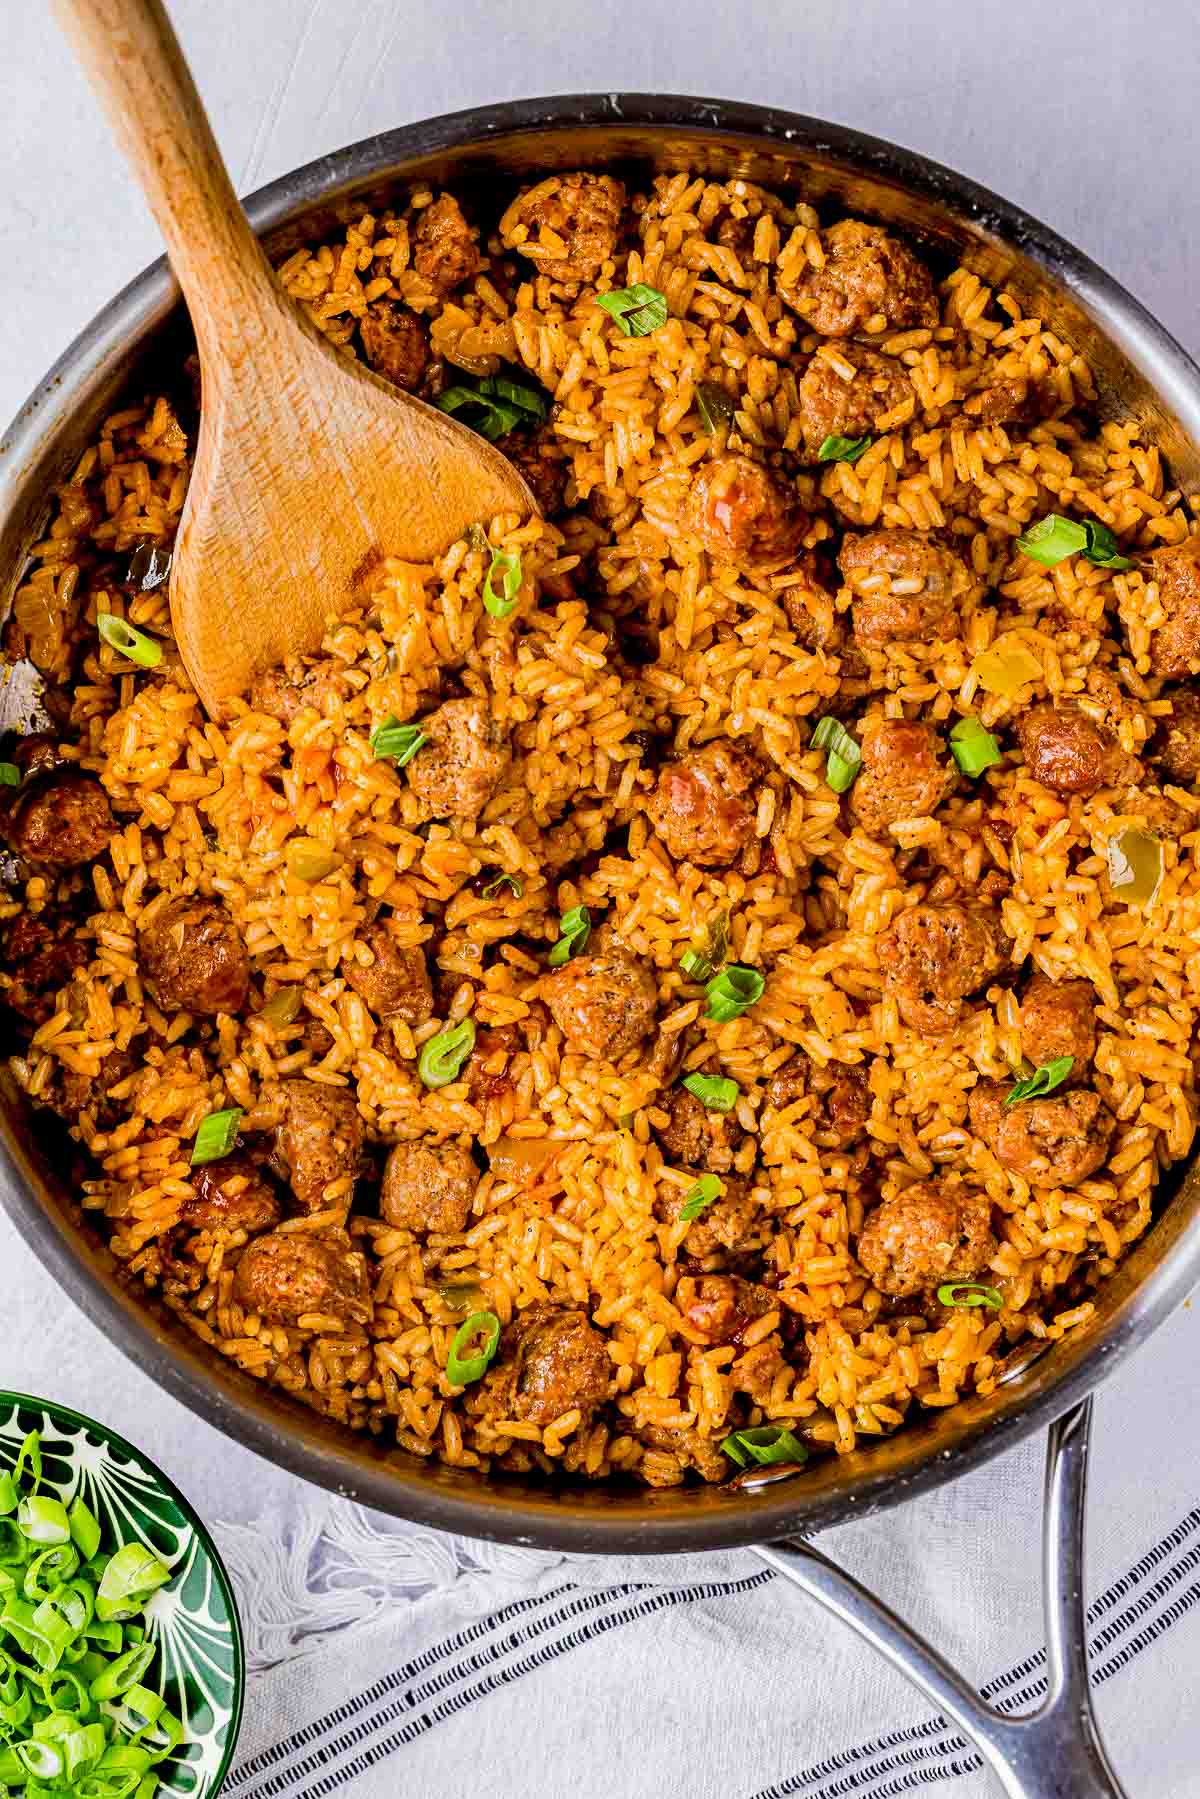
{"x": 44, "y": 1761}
{"x": 123, "y": 1673}
{"x": 971, "y": 1293}
{"x": 82, "y": 1749}
{"x": 1044, "y": 1080}
{"x": 29, "y": 1459}
{"x": 85, "y": 1531}
{"x": 462, "y": 1369}
{"x": 216, "y": 1136}
{"x": 698, "y": 1198}
{"x": 502, "y": 880}
{"x": 973, "y": 748}
{"x": 130, "y": 1577}
{"x": 10, "y": 774}
{"x": 525, "y": 399}
{"x": 128, "y": 641}
{"x": 442, "y": 1056}
{"x": 695, "y": 966}
{"x": 574, "y": 929}
{"x": 843, "y": 449}
{"x": 507, "y": 564}
{"x": 636, "y": 311}
{"x": 843, "y": 758}
{"x": 767, "y": 1445}
{"x": 1134, "y": 865}
{"x": 494, "y": 406}
{"x": 41, "y": 1519}
{"x": 9, "y": 1497}
{"x": 699, "y": 965}
{"x": 1102, "y": 546}
{"x": 1053, "y": 539}
{"x": 51, "y": 1570}
{"x": 398, "y": 743}
{"x": 716, "y": 1091}
{"x": 733, "y": 992}
{"x": 714, "y": 405}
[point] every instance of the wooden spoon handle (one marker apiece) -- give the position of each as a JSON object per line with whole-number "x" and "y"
{"x": 133, "y": 60}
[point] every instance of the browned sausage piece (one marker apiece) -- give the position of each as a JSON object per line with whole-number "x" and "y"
{"x": 1053, "y": 1142}
{"x": 741, "y": 514}
{"x": 395, "y": 343}
{"x": 395, "y": 983}
{"x": 286, "y": 1274}
{"x": 41, "y": 953}
{"x": 703, "y": 806}
{"x": 808, "y": 601}
{"x": 539, "y": 458}
{"x": 832, "y": 406}
{"x": 603, "y": 1003}
{"x": 1176, "y": 741}
{"x": 1069, "y": 752}
{"x": 567, "y": 225}
{"x": 61, "y": 820}
{"x": 37, "y": 753}
{"x": 285, "y": 692}
{"x": 868, "y": 275}
{"x": 194, "y": 959}
{"x": 553, "y": 1361}
{"x": 901, "y": 776}
{"x": 428, "y": 1187}
{"x": 905, "y": 586}
{"x": 445, "y": 246}
{"x": 934, "y": 957}
{"x": 1058, "y": 1018}
{"x": 840, "y": 1093}
{"x": 694, "y": 1136}
{"x": 467, "y": 755}
{"x": 925, "y": 1235}
{"x": 729, "y": 1223}
{"x": 232, "y": 1195}
{"x": 94, "y": 1092}
{"x": 718, "y": 1307}
{"x": 1175, "y": 646}
{"x": 1010, "y": 401}
{"x": 318, "y": 1140}
{"x": 691, "y": 1449}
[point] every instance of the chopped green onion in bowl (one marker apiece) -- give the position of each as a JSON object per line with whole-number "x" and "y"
{"x": 733, "y": 992}
{"x": 843, "y": 757}
{"x": 1135, "y": 865}
{"x": 973, "y": 747}
{"x": 636, "y": 311}
{"x": 462, "y": 1367}
{"x": 716, "y": 1091}
{"x": 707, "y": 1190}
{"x": 507, "y": 564}
{"x": 843, "y": 449}
{"x": 964, "y": 1294}
{"x": 574, "y": 929}
{"x": 216, "y": 1136}
{"x": 127, "y": 640}
{"x": 767, "y": 1444}
{"x": 396, "y": 742}
{"x": 1042, "y": 1081}
{"x": 715, "y": 406}
{"x": 442, "y": 1057}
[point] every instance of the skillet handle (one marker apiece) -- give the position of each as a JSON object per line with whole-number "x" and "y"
{"x": 1055, "y": 1752}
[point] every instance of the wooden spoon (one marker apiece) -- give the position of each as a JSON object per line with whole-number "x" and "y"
{"x": 309, "y": 469}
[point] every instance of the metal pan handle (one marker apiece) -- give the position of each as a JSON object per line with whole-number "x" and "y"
{"x": 1055, "y": 1752}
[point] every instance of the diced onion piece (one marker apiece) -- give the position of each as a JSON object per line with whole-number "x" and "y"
{"x": 522, "y": 1158}
{"x": 1007, "y": 667}
{"x": 308, "y": 860}
{"x": 1134, "y": 865}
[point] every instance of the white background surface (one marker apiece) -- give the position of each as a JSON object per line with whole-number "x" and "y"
{"x": 1086, "y": 115}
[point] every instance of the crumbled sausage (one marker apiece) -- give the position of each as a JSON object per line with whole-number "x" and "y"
{"x": 868, "y": 275}
{"x": 718, "y": 1307}
{"x": 539, "y": 458}
{"x": 741, "y": 514}
{"x": 1053, "y": 1142}
{"x": 95, "y": 1093}
{"x": 1069, "y": 752}
{"x": 466, "y": 757}
{"x": 445, "y": 246}
{"x": 428, "y": 1187}
{"x": 395, "y": 982}
{"x": 194, "y": 959}
{"x": 567, "y": 225}
{"x": 602, "y": 1002}
{"x": 935, "y": 957}
{"x": 901, "y": 775}
{"x": 41, "y": 953}
{"x": 829, "y": 405}
{"x": 730, "y": 1222}
{"x": 1175, "y": 645}
{"x": 395, "y": 343}
{"x": 319, "y": 1139}
{"x": 703, "y": 806}
{"x": 285, "y": 692}
{"x": 1058, "y": 1018}
{"x": 840, "y": 1094}
{"x": 691, "y": 1449}
{"x": 37, "y": 753}
{"x": 1012, "y": 400}
{"x": 231, "y": 1195}
{"x": 553, "y": 1361}
{"x": 808, "y": 601}
{"x": 696, "y": 1137}
{"x": 285, "y": 1274}
{"x": 1176, "y": 741}
{"x": 60, "y": 820}
{"x": 927, "y": 1234}
{"x": 905, "y": 586}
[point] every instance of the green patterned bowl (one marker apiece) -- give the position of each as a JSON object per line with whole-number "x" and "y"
{"x": 193, "y": 1619}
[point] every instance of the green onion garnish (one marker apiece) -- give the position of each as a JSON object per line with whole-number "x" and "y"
{"x": 698, "y": 965}
{"x": 216, "y": 1136}
{"x": 502, "y": 880}
{"x": 843, "y": 449}
{"x": 843, "y": 758}
{"x": 637, "y": 310}
{"x": 707, "y": 1189}
{"x": 1102, "y": 546}
{"x": 716, "y": 1091}
{"x": 695, "y": 966}
{"x": 496, "y": 405}
{"x": 1053, "y": 539}
{"x": 574, "y": 930}
{"x": 766, "y": 1445}
{"x": 1044, "y": 1080}
{"x": 714, "y": 405}
{"x": 462, "y": 1369}
{"x": 85, "y": 1530}
{"x": 970, "y": 1293}
{"x": 123, "y": 637}
{"x": 442, "y": 1056}
{"x": 10, "y": 774}
{"x": 399, "y": 743}
{"x": 129, "y": 1578}
{"x": 973, "y": 748}
{"x": 733, "y": 992}
{"x": 507, "y": 564}
{"x": 43, "y": 1520}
